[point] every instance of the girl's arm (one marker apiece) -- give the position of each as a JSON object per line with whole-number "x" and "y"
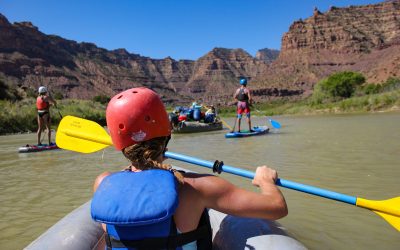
{"x": 221, "y": 195}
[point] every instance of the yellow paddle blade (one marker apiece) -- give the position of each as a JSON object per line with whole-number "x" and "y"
{"x": 387, "y": 209}
{"x": 226, "y": 124}
{"x": 81, "y": 135}
{"x": 391, "y": 219}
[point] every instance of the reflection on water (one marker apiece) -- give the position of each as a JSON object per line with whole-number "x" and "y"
{"x": 356, "y": 155}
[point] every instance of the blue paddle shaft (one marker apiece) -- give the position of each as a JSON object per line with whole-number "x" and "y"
{"x": 280, "y": 182}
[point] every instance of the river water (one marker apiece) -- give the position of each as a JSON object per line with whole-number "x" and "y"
{"x": 358, "y": 155}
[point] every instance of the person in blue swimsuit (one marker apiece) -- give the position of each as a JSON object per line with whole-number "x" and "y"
{"x": 139, "y": 127}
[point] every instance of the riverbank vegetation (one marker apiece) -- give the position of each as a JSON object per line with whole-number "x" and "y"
{"x": 20, "y": 116}
{"x": 343, "y": 92}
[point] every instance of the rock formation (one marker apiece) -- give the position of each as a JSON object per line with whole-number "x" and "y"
{"x": 360, "y": 38}
{"x": 267, "y": 55}
{"x": 352, "y": 38}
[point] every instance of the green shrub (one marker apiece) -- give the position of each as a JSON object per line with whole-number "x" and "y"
{"x": 3, "y": 90}
{"x": 58, "y": 95}
{"x": 391, "y": 84}
{"x": 103, "y": 99}
{"x": 336, "y": 87}
{"x": 370, "y": 89}
{"x": 319, "y": 96}
{"x": 20, "y": 116}
{"x": 8, "y": 92}
{"x": 31, "y": 93}
{"x": 17, "y": 116}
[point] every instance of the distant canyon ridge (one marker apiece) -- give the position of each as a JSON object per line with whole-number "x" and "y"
{"x": 356, "y": 38}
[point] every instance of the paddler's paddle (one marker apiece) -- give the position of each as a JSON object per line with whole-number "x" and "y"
{"x": 274, "y": 124}
{"x": 234, "y": 125}
{"x": 55, "y": 105}
{"x": 44, "y": 132}
{"x": 86, "y": 136}
{"x": 58, "y": 110}
{"x": 226, "y": 124}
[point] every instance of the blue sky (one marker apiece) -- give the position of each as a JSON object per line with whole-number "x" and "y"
{"x": 181, "y": 29}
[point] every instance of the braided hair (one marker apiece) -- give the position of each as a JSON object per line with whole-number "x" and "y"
{"x": 144, "y": 155}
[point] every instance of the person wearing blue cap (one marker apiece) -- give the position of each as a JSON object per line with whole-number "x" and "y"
{"x": 243, "y": 98}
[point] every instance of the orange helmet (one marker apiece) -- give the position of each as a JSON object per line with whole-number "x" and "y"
{"x": 136, "y": 115}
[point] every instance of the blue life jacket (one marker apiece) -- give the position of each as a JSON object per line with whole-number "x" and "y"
{"x": 209, "y": 118}
{"x": 138, "y": 208}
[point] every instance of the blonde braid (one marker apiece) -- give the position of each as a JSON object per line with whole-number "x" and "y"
{"x": 144, "y": 155}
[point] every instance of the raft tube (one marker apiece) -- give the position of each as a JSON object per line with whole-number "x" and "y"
{"x": 258, "y": 130}
{"x": 36, "y": 148}
{"x": 78, "y": 231}
{"x": 193, "y": 127}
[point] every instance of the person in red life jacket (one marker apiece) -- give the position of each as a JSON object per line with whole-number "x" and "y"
{"x": 43, "y": 102}
{"x": 150, "y": 205}
{"x": 243, "y": 98}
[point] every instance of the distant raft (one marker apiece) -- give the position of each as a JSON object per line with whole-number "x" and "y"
{"x": 193, "y": 127}
{"x": 37, "y": 148}
{"x": 258, "y": 130}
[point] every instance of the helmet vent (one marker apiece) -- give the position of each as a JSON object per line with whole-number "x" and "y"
{"x": 147, "y": 118}
{"x": 119, "y": 97}
{"x": 134, "y": 92}
{"x": 121, "y": 126}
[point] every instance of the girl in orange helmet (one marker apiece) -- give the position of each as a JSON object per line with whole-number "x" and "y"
{"x": 140, "y": 205}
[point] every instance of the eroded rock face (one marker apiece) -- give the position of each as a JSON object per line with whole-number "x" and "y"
{"x": 356, "y": 29}
{"x": 82, "y": 70}
{"x": 216, "y": 75}
{"x": 361, "y": 38}
{"x": 267, "y": 55}
{"x": 30, "y": 58}
{"x": 352, "y": 38}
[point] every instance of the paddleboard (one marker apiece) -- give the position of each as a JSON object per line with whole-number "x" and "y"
{"x": 258, "y": 130}
{"x": 36, "y": 148}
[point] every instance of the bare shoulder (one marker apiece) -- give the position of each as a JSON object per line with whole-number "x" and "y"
{"x": 99, "y": 179}
{"x": 207, "y": 185}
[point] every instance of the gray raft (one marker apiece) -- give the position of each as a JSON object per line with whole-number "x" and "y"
{"x": 78, "y": 231}
{"x": 193, "y": 127}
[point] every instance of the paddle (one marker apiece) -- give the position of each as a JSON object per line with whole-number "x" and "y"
{"x": 81, "y": 135}
{"x": 44, "y": 132}
{"x": 55, "y": 105}
{"x": 86, "y": 136}
{"x": 274, "y": 124}
{"x": 234, "y": 125}
{"x": 387, "y": 209}
{"x": 58, "y": 110}
{"x": 226, "y": 124}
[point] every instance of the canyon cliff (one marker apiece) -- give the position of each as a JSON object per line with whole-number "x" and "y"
{"x": 357, "y": 38}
